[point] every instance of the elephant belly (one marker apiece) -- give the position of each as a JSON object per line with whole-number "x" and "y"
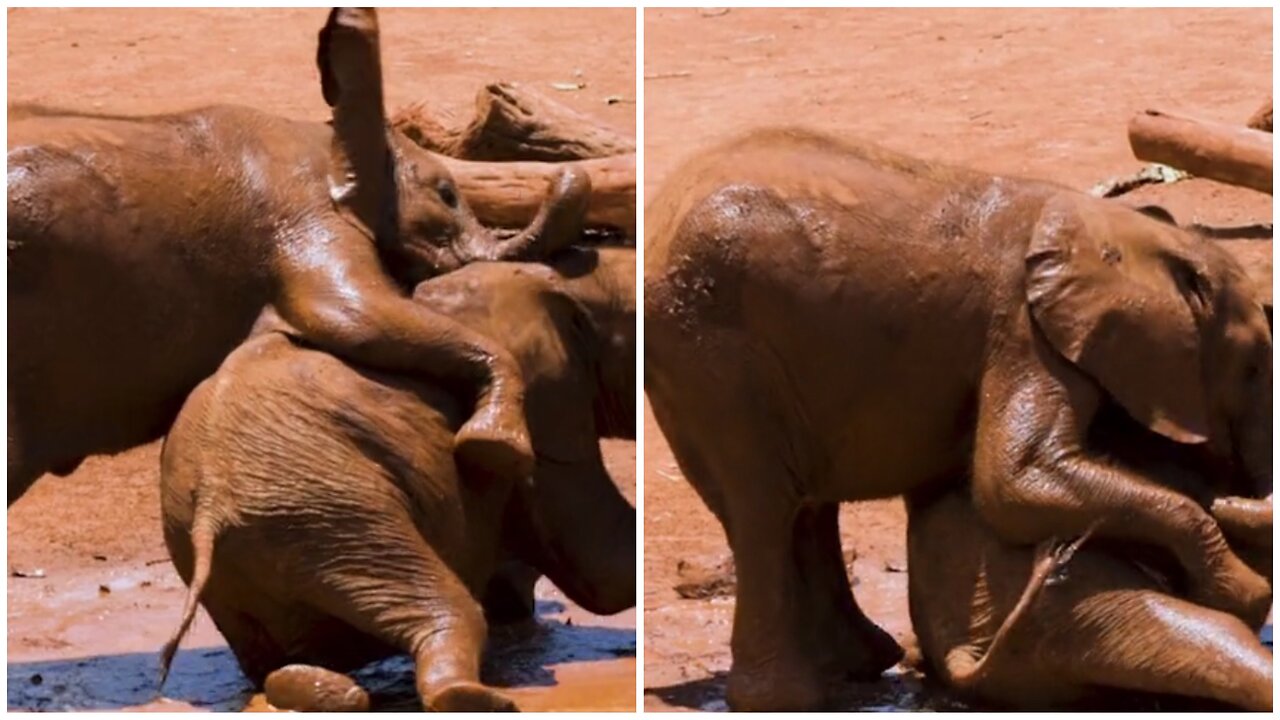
{"x": 882, "y": 380}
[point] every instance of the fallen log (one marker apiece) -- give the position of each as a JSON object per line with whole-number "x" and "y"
{"x": 513, "y": 122}
{"x": 1261, "y": 119}
{"x": 508, "y": 194}
{"x": 1226, "y": 153}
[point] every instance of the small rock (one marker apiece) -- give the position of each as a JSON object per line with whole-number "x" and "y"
{"x": 893, "y": 567}
{"x": 37, "y": 679}
{"x": 36, "y": 573}
{"x": 103, "y": 590}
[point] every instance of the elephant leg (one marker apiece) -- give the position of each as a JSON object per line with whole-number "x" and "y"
{"x": 850, "y": 643}
{"x": 395, "y": 588}
{"x": 1150, "y": 642}
{"x": 23, "y": 465}
{"x": 739, "y": 471}
{"x": 776, "y": 665}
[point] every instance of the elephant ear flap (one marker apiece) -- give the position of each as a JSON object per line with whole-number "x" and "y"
{"x": 1111, "y": 292}
{"x": 348, "y": 57}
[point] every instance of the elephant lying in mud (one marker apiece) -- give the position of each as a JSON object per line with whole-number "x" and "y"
{"x": 143, "y": 249}
{"x": 1108, "y": 625}
{"x": 315, "y": 510}
{"x": 828, "y": 321}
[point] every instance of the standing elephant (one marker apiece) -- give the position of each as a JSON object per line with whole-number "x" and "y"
{"x": 142, "y": 250}
{"x": 315, "y": 509}
{"x": 828, "y": 321}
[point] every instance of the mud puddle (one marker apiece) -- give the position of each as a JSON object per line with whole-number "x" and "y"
{"x": 89, "y": 640}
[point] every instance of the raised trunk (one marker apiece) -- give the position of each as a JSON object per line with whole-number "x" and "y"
{"x": 578, "y": 529}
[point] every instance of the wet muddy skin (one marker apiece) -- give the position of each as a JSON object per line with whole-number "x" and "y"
{"x": 960, "y": 86}
{"x": 90, "y": 603}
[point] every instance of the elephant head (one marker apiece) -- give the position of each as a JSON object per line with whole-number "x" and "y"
{"x": 401, "y": 194}
{"x": 1167, "y": 323}
{"x": 572, "y": 328}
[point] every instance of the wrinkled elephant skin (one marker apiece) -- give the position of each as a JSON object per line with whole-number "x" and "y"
{"x": 142, "y": 250}
{"x": 317, "y": 512}
{"x": 828, "y": 321}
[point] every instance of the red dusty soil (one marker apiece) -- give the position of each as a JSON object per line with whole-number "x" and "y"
{"x": 85, "y": 633}
{"x": 1040, "y": 93}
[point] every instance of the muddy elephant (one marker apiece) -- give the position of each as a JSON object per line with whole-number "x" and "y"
{"x": 315, "y": 509}
{"x": 1078, "y": 620}
{"x": 988, "y": 626}
{"x": 143, "y": 249}
{"x": 828, "y": 321}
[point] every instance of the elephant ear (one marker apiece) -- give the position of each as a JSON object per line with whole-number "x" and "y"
{"x": 1121, "y": 297}
{"x": 361, "y": 180}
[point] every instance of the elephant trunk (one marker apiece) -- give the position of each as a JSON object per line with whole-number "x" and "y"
{"x": 557, "y": 225}
{"x": 585, "y": 541}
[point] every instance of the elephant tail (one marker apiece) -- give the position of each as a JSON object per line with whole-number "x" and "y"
{"x": 1052, "y": 557}
{"x": 204, "y": 533}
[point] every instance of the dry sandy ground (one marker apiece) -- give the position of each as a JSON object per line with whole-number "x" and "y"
{"x": 85, "y": 634}
{"x": 1040, "y": 93}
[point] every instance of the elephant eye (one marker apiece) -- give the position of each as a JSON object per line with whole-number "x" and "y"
{"x": 448, "y": 195}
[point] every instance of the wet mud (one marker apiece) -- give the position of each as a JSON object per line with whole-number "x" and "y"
{"x": 964, "y": 87}
{"x": 566, "y": 659}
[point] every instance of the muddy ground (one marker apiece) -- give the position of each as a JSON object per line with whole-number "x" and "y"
{"x": 91, "y": 593}
{"x": 1029, "y": 92}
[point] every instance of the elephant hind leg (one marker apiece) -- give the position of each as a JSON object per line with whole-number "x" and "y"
{"x": 725, "y": 450}
{"x": 250, "y": 640}
{"x": 1150, "y": 642}
{"x": 393, "y": 587}
{"x": 852, "y": 644}
{"x": 777, "y": 661}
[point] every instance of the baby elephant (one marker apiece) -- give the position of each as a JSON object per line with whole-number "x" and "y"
{"x": 990, "y": 624}
{"x": 316, "y": 511}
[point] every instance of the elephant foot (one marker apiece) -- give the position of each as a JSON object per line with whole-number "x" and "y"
{"x": 307, "y": 688}
{"x": 466, "y": 696}
{"x": 779, "y": 687}
{"x": 870, "y": 652}
{"x": 495, "y": 444}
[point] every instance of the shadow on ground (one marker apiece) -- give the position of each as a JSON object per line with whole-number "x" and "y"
{"x": 896, "y": 691}
{"x": 209, "y": 679}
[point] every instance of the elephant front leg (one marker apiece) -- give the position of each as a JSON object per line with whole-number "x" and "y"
{"x": 343, "y": 302}
{"x": 849, "y": 644}
{"x": 1034, "y": 479}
